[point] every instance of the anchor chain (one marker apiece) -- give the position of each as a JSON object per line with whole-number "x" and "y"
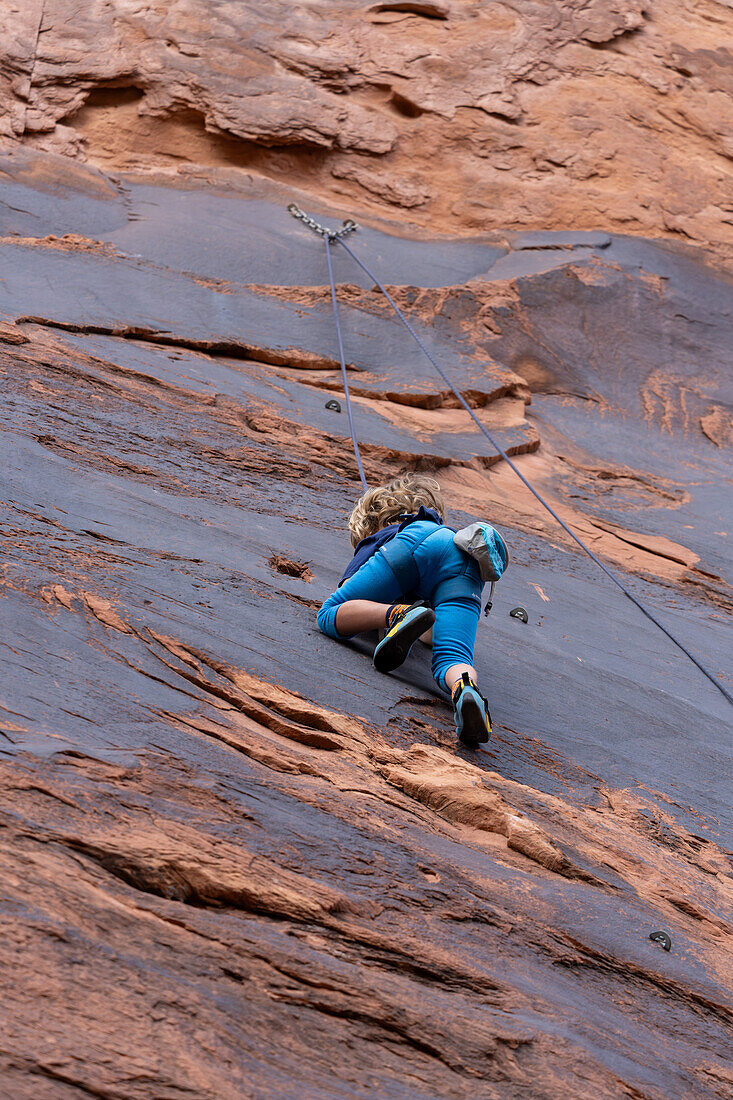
{"x": 347, "y": 227}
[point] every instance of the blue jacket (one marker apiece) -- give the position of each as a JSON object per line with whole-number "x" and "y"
{"x": 372, "y": 543}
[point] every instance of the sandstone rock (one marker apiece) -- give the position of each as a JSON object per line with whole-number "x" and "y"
{"x": 471, "y": 118}
{"x": 236, "y": 862}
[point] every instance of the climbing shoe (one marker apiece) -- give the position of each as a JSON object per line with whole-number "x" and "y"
{"x": 471, "y": 711}
{"x": 405, "y": 623}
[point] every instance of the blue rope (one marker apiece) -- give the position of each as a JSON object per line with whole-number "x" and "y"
{"x": 347, "y": 395}
{"x": 619, "y": 584}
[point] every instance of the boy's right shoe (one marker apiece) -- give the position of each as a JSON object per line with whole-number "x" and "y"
{"x": 405, "y": 624}
{"x": 471, "y": 711}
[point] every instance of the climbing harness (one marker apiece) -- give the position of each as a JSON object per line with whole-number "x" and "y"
{"x": 401, "y": 560}
{"x": 349, "y": 226}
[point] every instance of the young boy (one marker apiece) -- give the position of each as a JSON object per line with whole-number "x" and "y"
{"x": 407, "y": 575}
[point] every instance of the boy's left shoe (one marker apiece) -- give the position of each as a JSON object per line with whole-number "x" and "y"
{"x": 406, "y": 623}
{"x": 473, "y": 720}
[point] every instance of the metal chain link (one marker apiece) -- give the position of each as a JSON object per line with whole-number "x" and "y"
{"x": 323, "y": 231}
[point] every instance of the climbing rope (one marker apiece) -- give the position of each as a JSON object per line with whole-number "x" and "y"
{"x": 336, "y": 235}
{"x": 327, "y": 241}
{"x": 349, "y": 226}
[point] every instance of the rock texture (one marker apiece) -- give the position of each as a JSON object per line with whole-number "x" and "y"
{"x": 236, "y": 863}
{"x": 568, "y": 114}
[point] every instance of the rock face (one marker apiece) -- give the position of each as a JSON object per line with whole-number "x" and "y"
{"x": 237, "y": 863}
{"x": 552, "y": 115}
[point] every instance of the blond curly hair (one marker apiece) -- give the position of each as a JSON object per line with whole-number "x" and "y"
{"x": 383, "y": 505}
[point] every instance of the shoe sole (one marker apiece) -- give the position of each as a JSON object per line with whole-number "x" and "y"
{"x": 392, "y": 652}
{"x": 473, "y": 730}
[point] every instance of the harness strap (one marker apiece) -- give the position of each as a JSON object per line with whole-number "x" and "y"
{"x": 454, "y": 588}
{"x": 400, "y": 558}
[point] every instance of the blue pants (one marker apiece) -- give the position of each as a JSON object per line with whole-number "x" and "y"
{"x": 438, "y": 559}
